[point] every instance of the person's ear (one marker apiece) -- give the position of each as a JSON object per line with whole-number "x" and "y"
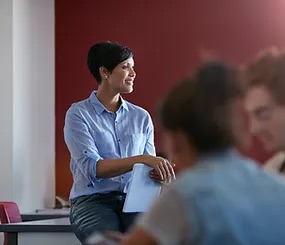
{"x": 104, "y": 73}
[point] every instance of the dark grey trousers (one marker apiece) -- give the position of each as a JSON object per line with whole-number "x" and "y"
{"x": 99, "y": 213}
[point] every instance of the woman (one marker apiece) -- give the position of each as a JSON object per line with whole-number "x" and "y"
{"x": 219, "y": 197}
{"x": 106, "y": 135}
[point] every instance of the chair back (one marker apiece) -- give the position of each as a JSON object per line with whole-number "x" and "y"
{"x": 9, "y": 213}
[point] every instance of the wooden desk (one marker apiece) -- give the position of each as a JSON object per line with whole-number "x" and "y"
{"x": 43, "y": 232}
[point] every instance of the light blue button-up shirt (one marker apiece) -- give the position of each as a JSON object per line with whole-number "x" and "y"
{"x": 93, "y": 133}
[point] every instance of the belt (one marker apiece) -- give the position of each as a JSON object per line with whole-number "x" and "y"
{"x": 111, "y": 193}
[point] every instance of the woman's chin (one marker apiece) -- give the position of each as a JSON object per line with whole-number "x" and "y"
{"x": 127, "y": 90}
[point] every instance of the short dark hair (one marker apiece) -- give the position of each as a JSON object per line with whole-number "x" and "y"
{"x": 201, "y": 107}
{"x": 108, "y": 55}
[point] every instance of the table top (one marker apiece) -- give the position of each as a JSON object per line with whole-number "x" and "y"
{"x": 49, "y": 225}
{"x": 42, "y": 214}
{"x": 35, "y": 216}
{"x": 53, "y": 211}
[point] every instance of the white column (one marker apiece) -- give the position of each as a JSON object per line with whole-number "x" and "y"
{"x": 29, "y": 153}
{"x": 6, "y": 100}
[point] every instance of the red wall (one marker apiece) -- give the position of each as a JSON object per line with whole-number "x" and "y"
{"x": 166, "y": 36}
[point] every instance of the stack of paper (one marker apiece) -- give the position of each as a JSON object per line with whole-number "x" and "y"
{"x": 142, "y": 190}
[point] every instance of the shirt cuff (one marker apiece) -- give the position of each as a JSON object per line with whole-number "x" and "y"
{"x": 95, "y": 159}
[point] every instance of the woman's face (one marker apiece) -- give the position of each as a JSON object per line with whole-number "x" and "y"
{"x": 121, "y": 79}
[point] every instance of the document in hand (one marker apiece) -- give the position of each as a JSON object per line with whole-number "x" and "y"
{"x": 142, "y": 190}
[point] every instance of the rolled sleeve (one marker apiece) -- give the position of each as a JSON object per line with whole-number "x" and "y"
{"x": 81, "y": 144}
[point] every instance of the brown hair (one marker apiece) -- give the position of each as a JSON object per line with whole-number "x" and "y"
{"x": 201, "y": 107}
{"x": 268, "y": 70}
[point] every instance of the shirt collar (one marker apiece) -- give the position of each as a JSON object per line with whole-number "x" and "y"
{"x": 124, "y": 103}
{"x": 99, "y": 107}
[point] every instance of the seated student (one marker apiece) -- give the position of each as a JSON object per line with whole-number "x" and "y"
{"x": 106, "y": 135}
{"x": 219, "y": 197}
{"x": 265, "y": 103}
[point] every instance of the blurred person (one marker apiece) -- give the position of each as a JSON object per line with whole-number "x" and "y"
{"x": 265, "y": 103}
{"x": 106, "y": 135}
{"x": 219, "y": 197}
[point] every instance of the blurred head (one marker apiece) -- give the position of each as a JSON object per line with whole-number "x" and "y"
{"x": 198, "y": 115}
{"x": 112, "y": 65}
{"x": 265, "y": 98}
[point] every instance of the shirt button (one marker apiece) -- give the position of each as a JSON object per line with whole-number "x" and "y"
{"x": 119, "y": 140}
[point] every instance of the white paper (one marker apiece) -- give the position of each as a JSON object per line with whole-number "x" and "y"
{"x": 141, "y": 191}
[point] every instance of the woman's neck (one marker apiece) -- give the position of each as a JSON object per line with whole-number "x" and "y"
{"x": 109, "y": 99}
